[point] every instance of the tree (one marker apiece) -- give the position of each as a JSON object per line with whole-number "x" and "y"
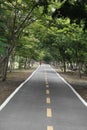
{"x": 17, "y": 15}
{"x": 30, "y": 22}
{"x": 28, "y": 50}
{"x": 76, "y": 10}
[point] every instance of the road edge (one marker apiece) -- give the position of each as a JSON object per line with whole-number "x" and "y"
{"x": 16, "y": 90}
{"x": 71, "y": 87}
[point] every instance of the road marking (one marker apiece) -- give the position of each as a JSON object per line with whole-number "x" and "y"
{"x": 74, "y": 91}
{"x": 47, "y": 86}
{"x": 49, "y": 127}
{"x": 49, "y": 112}
{"x": 46, "y": 82}
{"x": 47, "y": 91}
{"x": 17, "y": 89}
{"x": 48, "y": 100}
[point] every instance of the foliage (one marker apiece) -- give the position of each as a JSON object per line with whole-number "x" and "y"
{"x": 75, "y": 10}
{"x": 28, "y": 47}
{"x": 30, "y": 29}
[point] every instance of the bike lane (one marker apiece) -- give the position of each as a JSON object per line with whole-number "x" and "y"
{"x": 44, "y": 102}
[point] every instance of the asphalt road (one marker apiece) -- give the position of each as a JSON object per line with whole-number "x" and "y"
{"x": 45, "y": 102}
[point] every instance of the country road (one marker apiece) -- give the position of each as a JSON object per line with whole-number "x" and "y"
{"x": 43, "y": 102}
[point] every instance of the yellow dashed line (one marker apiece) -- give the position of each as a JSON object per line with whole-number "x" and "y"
{"x": 49, "y": 127}
{"x": 47, "y": 91}
{"x": 48, "y": 100}
{"x": 49, "y": 112}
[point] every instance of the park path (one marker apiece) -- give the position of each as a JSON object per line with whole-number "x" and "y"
{"x": 44, "y": 102}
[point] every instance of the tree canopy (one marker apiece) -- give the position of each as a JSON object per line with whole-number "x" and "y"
{"x": 76, "y": 10}
{"x": 48, "y": 30}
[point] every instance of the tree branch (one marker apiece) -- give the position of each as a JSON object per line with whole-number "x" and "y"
{"x": 27, "y": 17}
{"x": 33, "y": 20}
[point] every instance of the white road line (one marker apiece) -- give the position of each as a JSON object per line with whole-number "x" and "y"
{"x": 18, "y": 88}
{"x": 77, "y": 94}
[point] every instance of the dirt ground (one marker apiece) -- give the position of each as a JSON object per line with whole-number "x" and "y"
{"x": 15, "y": 78}
{"x": 79, "y": 84}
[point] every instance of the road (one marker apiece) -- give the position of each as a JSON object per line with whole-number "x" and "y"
{"x": 44, "y": 102}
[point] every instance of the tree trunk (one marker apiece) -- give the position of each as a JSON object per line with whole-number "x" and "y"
{"x": 4, "y": 64}
{"x": 64, "y": 66}
{"x": 4, "y": 69}
{"x": 29, "y": 63}
{"x": 25, "y": 64}
{"x": 80, "y": 70}
{"x": 85, "y": 66}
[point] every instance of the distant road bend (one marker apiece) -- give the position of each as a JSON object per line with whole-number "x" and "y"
{"x": 44, "y": 102}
